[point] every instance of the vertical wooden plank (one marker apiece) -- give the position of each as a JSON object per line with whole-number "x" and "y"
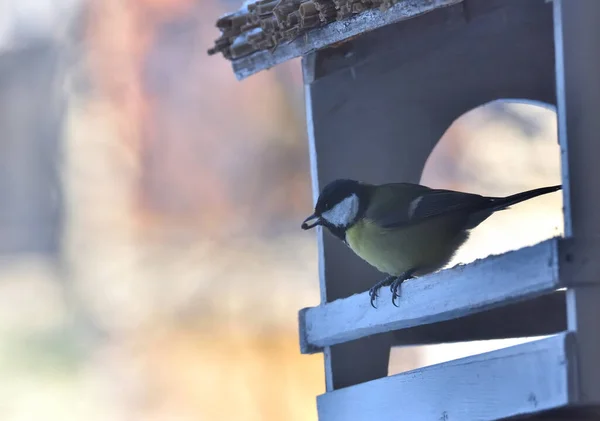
{"x": 577, "y": 40}
{"x": 308, "y": 70}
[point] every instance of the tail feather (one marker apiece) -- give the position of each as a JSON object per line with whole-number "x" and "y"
{"x": 501, "y": 203}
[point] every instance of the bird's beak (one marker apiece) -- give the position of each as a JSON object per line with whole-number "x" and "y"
{"x": 311, "y": 222}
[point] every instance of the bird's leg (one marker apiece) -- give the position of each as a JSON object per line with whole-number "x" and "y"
{"x": 375, "y": 289}
{"x": 395, "y": 285}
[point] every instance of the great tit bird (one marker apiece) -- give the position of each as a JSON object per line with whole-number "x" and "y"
{"x": 404, "y": 230}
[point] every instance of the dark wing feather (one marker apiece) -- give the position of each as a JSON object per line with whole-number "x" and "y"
{"x": 389, "y": 208}
{"x": 439, "y": 202}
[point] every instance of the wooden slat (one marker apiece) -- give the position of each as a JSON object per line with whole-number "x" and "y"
{"x": 452, "y": 293}
{"x": 335, "y": 33}
{"x": 523, "y": 379}
{"x": 577, "y": 40}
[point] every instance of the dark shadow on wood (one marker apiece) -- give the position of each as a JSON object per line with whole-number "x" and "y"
{"x": 563, "y": 414}
{"x": 544, "y": 315}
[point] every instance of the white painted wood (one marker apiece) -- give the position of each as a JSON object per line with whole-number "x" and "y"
{"x": 334, "y": 33}
{"x": 577, "y": 40}
{"x": 445, "y": 295}
{"x": 583, "y": 319}
{"x": 308, "y": 65}
{"x": 519, "y": 380}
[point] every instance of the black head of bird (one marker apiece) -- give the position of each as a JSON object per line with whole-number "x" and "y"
{"x": 340, "y": 205}
{"x": 403, "y": 229}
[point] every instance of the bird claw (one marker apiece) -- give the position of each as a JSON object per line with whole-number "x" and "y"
{"x": 396, "y": 284}
{"x": 373, "y": 292}
{"x": 394, "y": 288}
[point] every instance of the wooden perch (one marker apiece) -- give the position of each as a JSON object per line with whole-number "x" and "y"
{"x": 519, "y": 380}
{"x": 461, "y": 291}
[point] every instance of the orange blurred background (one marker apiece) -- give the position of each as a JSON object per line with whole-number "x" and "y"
{"x": 152, "y": 264}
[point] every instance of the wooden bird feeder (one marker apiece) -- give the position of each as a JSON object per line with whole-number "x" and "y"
{"x": 384, "y": 79}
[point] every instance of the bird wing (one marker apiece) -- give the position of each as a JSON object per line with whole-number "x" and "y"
{"x": 389, "y": 209}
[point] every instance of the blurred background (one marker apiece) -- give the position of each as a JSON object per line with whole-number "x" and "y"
{"x": 151, "y": 261}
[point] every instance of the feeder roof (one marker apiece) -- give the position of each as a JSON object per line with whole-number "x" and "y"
{"x": 264, "y": 33}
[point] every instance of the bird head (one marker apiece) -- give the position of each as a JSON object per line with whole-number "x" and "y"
{"x": 338, "y": 207}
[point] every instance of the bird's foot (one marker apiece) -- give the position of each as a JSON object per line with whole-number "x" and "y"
{"x": 373, "y": 292}
{"x": 395, "y": 287}
{"x": 397, "y": 283}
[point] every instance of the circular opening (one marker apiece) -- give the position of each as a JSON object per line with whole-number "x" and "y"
{"x": 500, "y": 148}
{"x": 497, "y": 149}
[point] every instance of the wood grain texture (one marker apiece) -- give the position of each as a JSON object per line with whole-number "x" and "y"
{"x": 334, "y": 33}
{"x": 448, "y": 294}
{"x": 523, "y": 379}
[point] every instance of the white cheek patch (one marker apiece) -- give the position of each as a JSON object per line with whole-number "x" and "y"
{"x": 343, "y": 213}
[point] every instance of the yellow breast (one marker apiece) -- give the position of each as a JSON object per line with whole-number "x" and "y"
{"x": 395, "y": 251}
